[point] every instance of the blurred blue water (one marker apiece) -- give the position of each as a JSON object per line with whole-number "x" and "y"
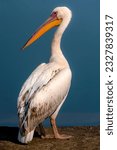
{"x": 63, "y": 119}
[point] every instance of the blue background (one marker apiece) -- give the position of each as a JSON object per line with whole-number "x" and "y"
{"x": 80, "y": 45}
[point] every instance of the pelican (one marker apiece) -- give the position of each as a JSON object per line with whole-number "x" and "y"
{"x": 46, "y": 89}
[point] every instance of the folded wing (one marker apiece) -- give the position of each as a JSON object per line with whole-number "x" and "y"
{"x": 31, "y": 109}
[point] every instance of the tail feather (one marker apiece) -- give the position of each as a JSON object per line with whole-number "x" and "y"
{"x": 27, "y": 138}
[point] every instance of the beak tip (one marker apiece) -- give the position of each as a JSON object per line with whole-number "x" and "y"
{"x": 23, "y": 47}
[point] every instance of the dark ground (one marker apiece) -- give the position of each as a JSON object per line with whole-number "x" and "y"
{"x": 85, "y": 138}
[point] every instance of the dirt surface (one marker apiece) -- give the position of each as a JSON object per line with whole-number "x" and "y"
{"x": 84, "y": 138}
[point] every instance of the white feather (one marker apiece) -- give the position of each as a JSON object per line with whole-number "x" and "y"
{"x": 27, "y": 138}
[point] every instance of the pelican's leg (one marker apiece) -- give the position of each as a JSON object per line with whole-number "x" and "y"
{"x": 53, "y": 124}
{"x": 56, "y": 133}
{"x": 40, "y": 130}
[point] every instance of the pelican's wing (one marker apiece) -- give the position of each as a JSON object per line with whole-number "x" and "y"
{"x": 39, "y": 78}
{"x": 31, "y": 80}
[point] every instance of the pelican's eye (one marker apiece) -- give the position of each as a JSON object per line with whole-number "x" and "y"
{"x": 54, "y": 14}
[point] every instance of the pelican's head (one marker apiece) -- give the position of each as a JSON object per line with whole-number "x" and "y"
{"x": 58, "y": 15}
{"x": 62, "y": 13}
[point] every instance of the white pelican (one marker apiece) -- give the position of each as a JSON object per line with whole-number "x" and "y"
{"x": 46, "y": 89}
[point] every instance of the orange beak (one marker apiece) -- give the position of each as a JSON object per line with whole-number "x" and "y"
{"x": 50, "y": 23}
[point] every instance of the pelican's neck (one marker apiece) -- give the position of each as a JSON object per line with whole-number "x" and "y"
{"x": 56, "y": 42}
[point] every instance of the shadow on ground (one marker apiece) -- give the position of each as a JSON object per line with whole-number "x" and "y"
{"x": 9, "y": 134}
